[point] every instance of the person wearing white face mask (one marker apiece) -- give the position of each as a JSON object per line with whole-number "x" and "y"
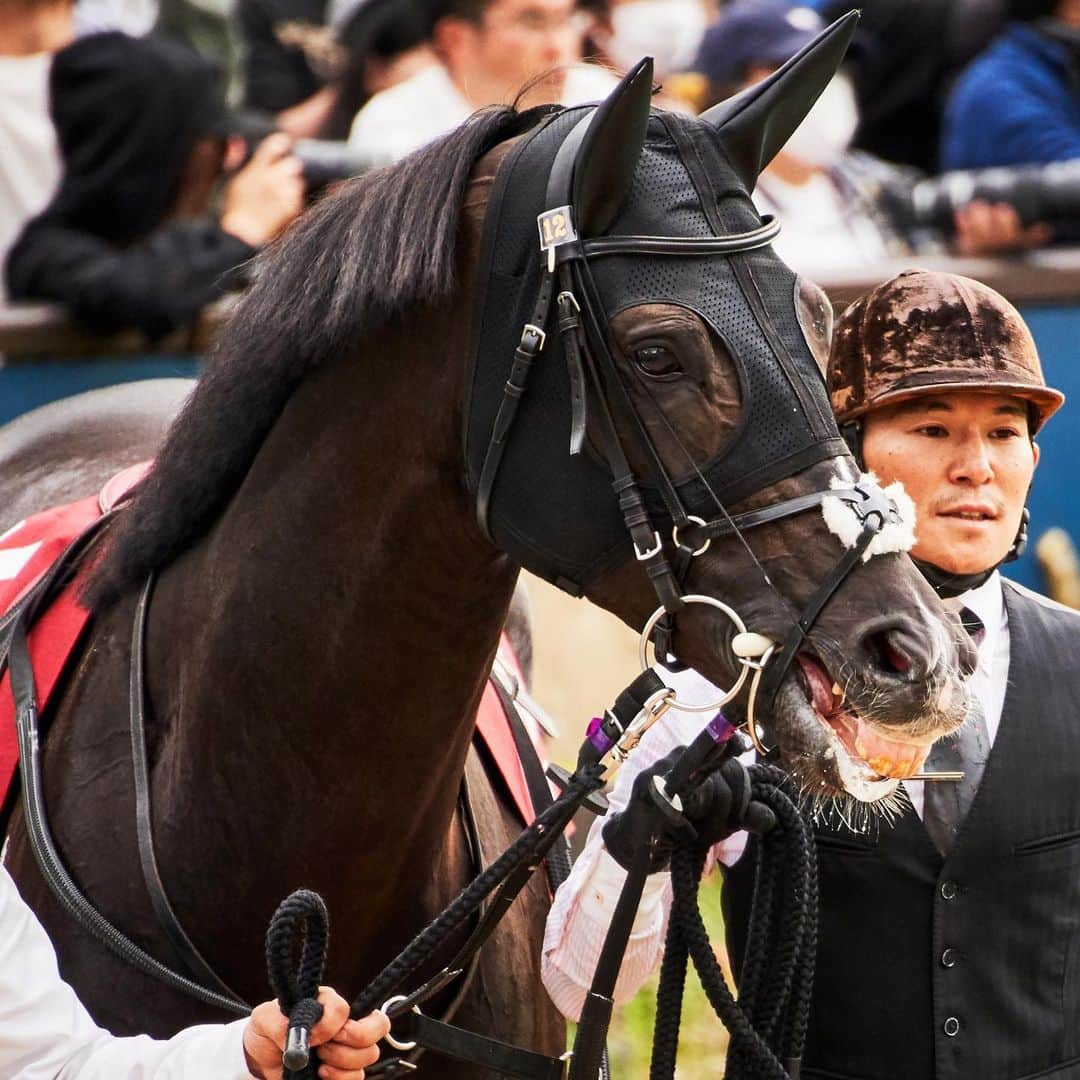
{"x": 670, "y": 31}
{"x": 837, "y": 205}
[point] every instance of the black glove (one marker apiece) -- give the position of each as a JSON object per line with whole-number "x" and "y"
{"x": 721, "y": 805}
{"x": 714, "y": 809}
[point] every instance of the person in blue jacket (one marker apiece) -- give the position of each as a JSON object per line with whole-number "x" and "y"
{"x": 1019, "y": 102}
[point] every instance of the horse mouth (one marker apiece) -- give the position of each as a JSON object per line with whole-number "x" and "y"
{"x": 868, "y": 761}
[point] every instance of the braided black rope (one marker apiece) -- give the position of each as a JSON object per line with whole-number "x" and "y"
{"x": 768, "y": 1022}
{"x": 532, "y": 844}
{"x": 297, "y": 989}
{"x": 669, "y": 1003}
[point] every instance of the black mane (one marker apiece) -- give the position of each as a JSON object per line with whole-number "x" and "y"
{"x": 356, "y": 260}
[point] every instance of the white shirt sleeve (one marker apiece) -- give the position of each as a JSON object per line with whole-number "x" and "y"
{"x": 585, "y": 902}
{"x": 46, "y": 1034}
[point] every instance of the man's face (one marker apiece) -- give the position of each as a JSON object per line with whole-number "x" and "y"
{"x": 966, "y": 458}
{"x": 515, "y": 41}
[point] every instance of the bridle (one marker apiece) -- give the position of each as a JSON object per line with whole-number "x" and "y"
{"x": 567, "y": 282}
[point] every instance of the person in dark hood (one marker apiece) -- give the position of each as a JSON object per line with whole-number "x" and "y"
{"x": 911, "y": 54}
{"x": 127, "y": 239}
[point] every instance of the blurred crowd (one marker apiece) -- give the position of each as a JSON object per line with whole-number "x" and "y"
{"x": 148, "y": 148}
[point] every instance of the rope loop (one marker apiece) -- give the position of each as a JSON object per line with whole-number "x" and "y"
{"x": 297, "y": 987}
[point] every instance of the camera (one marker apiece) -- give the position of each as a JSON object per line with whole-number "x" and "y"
{"x": 1049, "y": 193}
{"x": 326, "y": 161}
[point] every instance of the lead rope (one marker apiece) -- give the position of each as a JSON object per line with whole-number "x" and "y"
{"x": 768, "y": 1021}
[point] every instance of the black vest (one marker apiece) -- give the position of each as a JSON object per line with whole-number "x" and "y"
{"x": 966, "y": 968}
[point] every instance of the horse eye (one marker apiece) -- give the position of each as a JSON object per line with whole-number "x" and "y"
{"x": 656, "y": 362}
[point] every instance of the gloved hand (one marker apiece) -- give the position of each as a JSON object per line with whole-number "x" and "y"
{"x": 717, "y": 807}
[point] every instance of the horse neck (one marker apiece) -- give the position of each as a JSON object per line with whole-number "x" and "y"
{"x": 346, "y": 602}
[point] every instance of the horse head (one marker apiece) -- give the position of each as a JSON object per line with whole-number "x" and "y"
{"x": 647, "y": 419}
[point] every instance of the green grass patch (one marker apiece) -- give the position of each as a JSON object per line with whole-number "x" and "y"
{"x": 703, "y": 1039}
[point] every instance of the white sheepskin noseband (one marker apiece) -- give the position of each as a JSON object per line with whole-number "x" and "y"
{"x": 844, "y": 522}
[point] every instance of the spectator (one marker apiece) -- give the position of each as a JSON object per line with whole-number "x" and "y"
{"x": 30, "y": 33}
{"x": 669, "y": 31}
{"x": 1019, "y": 103}
{"x": 488, "y": 51}
{"x": 911, "y": 54}
{"x": 126, "y": 240}
{"x": 385, "y": 42}
{"x": 290, "y": 59}
{"x": 840, "y": 209}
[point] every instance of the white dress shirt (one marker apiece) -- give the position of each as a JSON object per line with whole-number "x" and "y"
{"x": 585, "y": 902}
{"x": 46, "y": 1034}
{"x": 399, "y": 120}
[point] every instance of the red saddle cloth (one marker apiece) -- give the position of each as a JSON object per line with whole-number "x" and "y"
{"x": 28, "y": 549}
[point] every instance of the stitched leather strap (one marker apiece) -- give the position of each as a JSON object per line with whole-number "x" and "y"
{"x": 488, "y": 1053}
{"x": 188, "y": 953}
{"x": 730, "y": 244}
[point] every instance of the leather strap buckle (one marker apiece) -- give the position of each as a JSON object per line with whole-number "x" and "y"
{"x": 538, "y": 334}
{"x": 644, "y": 556}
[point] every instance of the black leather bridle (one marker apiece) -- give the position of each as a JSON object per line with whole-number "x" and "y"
{"x": 594, "y": 377}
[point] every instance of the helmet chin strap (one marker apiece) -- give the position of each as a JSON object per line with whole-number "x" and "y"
{"x": 944, "y": 583}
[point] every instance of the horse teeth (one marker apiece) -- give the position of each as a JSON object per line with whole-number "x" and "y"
{"x": 838, "y": 693}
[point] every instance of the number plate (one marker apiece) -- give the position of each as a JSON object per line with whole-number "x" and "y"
{"x": 556, "y": 228}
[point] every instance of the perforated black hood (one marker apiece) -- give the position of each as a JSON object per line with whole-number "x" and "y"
{"x": 555, "y": 513}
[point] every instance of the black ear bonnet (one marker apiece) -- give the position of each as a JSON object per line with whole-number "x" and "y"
{"x": 553, "y": 512}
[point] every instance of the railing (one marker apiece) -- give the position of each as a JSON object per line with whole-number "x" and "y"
{"x": 33, "y": 331}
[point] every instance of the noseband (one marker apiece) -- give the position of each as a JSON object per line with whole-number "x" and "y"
{"x": 567, "y": 282}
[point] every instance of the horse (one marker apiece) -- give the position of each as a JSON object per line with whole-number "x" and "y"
{"x": 337, "y": 518}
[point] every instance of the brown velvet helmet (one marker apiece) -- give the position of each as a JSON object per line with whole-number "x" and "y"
{"x": 925, "y": 331}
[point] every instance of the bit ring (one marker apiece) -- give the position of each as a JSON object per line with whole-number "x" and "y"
{"x": 740, "y": 628}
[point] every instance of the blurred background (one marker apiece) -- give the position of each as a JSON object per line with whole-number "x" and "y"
{"x": 150, "y": 148}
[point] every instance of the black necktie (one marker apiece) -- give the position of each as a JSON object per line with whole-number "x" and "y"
{"x": 946, "y": 803}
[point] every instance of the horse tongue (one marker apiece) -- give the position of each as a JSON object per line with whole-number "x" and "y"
{"x": 888, "y": 757}
{"x": 820, "y": 688}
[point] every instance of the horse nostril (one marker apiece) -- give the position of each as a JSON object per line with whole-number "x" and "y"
{"x": 887, "y": 656}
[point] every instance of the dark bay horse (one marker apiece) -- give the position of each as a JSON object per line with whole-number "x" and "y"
{"x": 328, "y": 604}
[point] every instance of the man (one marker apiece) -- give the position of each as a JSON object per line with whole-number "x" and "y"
{"x": 45, "y": 1032}
{"x": 840, "y": 209}
{"x": 112, "y": 156}
{"x": 1018, "y": 103}
{"x": 948, "y": 941}
{"x": 489, "y": 51}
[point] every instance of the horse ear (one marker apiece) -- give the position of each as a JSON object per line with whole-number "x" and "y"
{"x": 755, "y": 123}
{"x": 609, "y": 152}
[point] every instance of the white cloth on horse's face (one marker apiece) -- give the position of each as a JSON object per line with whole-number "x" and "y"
{"x": 45, "y": 1033}
{"x": 581, "y": 911}
{"x": 844, "y": 523}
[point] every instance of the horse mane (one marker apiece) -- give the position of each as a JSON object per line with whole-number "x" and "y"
{"x": 382, "y": 244}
